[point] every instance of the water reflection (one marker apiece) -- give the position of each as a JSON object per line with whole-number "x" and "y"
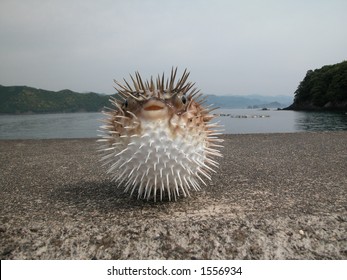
{"x": 46, "y": 126}
{"x": 320, "y": 121}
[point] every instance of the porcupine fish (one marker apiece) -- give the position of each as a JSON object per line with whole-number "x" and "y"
{"x": 158, "y": 139}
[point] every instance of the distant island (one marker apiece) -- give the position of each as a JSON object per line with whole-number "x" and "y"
{"x": 249, "y": 101}
{"x": 322, "y": 89}
{"x": 29, "y": 100}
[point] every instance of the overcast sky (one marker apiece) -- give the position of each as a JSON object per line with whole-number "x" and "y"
{"x": 230, "y": 47}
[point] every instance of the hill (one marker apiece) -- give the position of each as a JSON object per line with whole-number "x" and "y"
{"x": 23, "y": 99}
{"x": 323, "y": 89}
{"x": 247, "y": 101}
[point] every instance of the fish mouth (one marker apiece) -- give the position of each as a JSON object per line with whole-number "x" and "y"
{"x": 153, "y": 105}
{"x": 154, "y": 109}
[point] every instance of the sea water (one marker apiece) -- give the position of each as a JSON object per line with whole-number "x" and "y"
{"x": 235, "y": 121}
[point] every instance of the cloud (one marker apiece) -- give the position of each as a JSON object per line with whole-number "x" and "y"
{"x": 231, "y": 47}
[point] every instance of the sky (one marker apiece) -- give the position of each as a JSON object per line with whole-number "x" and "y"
{"x": 230, "y": 47}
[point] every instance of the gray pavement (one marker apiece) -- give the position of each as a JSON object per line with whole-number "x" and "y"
{"x": 276, "y": 196}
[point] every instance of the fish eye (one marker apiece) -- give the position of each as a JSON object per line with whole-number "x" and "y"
{"x": 184, "y": 99}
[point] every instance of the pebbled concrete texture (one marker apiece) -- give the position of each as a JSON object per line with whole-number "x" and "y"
{"x": 276, "y": 196}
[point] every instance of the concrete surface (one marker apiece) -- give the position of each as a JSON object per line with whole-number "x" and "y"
{"x": 276, "y": 196}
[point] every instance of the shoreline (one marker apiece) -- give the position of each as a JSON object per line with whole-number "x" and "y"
{"x": 226, "y": 135}
{"x": 275, "y": 196}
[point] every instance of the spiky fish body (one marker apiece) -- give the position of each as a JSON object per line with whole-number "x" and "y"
{"x": 159, "y": 140}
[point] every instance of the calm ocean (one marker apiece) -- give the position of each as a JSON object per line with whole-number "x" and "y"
{"x": 235, "y": 121}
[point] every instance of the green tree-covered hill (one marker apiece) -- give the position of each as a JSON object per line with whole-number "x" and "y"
{"x": 23, "y": 99}
{"x": 323, "y": 89}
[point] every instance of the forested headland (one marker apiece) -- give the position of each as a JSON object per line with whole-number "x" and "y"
{"x": 323, "y": 89}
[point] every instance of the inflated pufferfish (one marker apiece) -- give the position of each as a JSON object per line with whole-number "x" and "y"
{"x": 158, "y": 140}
